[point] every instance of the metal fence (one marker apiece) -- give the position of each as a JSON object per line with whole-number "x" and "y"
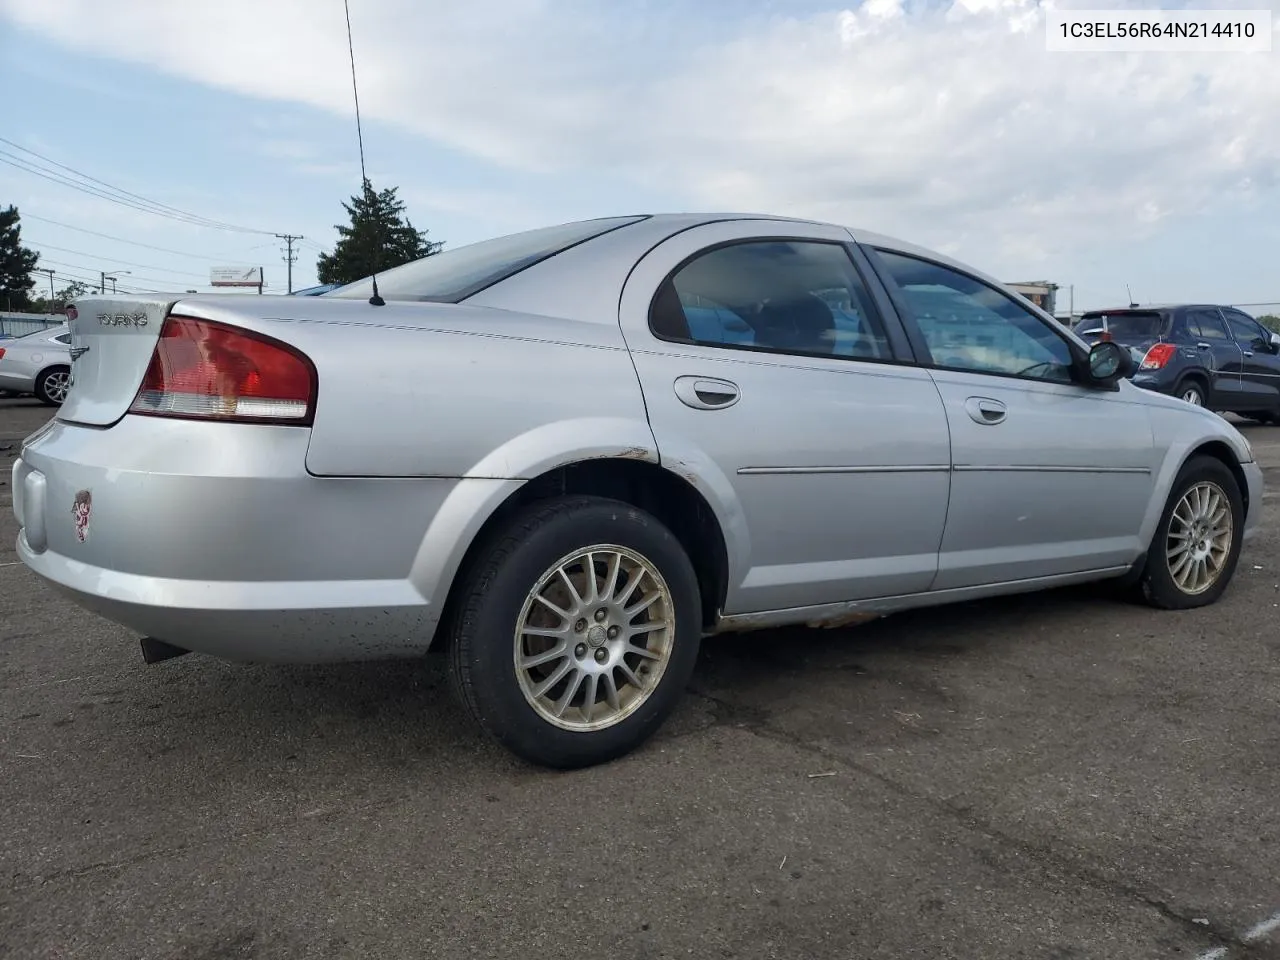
{"x": 21, "y": 324}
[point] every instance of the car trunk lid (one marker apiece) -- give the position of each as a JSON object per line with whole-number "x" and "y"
{"x": 112, "y": 340}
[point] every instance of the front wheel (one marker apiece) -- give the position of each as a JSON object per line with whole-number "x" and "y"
{"x": 1196, "y": 546}
{"x": 576, "y": 631}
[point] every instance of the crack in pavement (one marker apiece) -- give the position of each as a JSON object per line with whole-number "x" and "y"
{"x": 755, "y": 722}
{"x": 325, "y": 814}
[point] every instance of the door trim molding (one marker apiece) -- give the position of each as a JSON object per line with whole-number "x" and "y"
{"x": 902, "y": 468}
{"x": 936, "y": 468}
{"x": 1031, "y": 468}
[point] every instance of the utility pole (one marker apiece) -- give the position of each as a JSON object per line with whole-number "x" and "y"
{"x": 50, "y": 273}
{"x": 290, "y": 257}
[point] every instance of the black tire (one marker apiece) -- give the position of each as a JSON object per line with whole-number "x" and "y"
{"x": 46, "y": 386}
{"x": 1158, "y": 586}
{"x": 1190, "y": 386}
{"x": 493, "y": 594}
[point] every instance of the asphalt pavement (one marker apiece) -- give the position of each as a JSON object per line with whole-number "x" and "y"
{"x": 1055, "y": 776}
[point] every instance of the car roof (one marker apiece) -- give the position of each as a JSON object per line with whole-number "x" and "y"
{"x": 614, "y": 253}
{"x": 47, "y": 332}
{"x": 1158, "y": 308}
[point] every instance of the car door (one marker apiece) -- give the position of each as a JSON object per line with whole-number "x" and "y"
{"x": 1259, "y": 365}
{"x": 1049, "y": 477}
{"x": 828, "y": 453}
{"x": 1222, "y": 358}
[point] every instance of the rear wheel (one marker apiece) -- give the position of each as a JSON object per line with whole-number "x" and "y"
{"x": 1191, "y": 391}
{"x": 52, "y": 386}
{"x": 1196, "y": 546}
{"x": 576, "y": 631}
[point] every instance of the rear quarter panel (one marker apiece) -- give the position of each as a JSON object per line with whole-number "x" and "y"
{"x": 432, "y": 390}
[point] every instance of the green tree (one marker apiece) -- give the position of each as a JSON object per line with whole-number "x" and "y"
{"x": 68, "y": 294}
{"x": 1270, "y": 321}
{"x": 16, "y": 263}
{"x": 379, "y": 237}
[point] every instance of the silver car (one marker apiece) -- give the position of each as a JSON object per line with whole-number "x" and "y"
{"x": 38, "y": 363}
{"x": 565, "y": 456}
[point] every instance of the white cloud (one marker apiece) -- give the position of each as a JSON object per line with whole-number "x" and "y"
{"x": 952, "y": 126}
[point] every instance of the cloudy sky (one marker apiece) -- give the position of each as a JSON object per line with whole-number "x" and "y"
{"x": 946, "y": 123}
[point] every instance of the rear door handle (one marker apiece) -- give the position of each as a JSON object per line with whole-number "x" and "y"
{"x": 985, "y": 411}
{"x": 1204, "y": 346}
{"x": 706, "y": 393}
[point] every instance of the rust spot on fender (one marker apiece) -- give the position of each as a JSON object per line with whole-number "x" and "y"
{"x": 630, "y": 453}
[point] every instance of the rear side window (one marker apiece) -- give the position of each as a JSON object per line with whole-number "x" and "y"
{"x": 784, "y": 296}
{"x": 63, "y": 338}
{"x": 1206, "y": 325}
{"x": 453, "y": 275}
{"x": 1148, "y": 325}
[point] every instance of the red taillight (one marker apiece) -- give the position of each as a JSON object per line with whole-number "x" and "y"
{"x": 1158, "y": 356}
{"x": 1105, "y": 335}
{"x": 1, "y": 353}
{"x": 206, "y": 370}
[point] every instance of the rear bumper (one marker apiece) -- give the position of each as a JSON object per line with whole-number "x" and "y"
{"x": 234, "y": 549}
{"x": 1155, "y": 381}
{"x": 276, "y": 622}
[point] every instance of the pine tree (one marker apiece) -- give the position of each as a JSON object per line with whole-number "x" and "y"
{"x": 379, "y": 237}
{"x": 16, "y": 263}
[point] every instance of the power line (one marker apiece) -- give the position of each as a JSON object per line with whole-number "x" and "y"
{"x": 136, "y": 243}
{"x": 127, "y": 263}
{"x": 20, "y": 164}
{"x": 67, "y": 278}
{"x": 122, "y": 191}
{"x": 82, "y": 266}
{"x": 112, "y": 193}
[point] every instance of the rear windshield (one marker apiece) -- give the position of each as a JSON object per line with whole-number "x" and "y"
{"x": 456, "y": 274}
{"x": 1126, "y": 326}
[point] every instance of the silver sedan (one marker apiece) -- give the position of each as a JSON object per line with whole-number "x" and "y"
{"x": 38, "y": 363}
{"x": 565, "y": 456}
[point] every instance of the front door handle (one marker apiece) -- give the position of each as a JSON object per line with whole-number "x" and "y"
{"x": 706, "y": 393}
{"x": 985, "y": 411}
{"x": 1248, "y": 353}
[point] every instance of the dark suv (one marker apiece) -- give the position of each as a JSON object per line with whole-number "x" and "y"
{"x": 1213, "y": 356}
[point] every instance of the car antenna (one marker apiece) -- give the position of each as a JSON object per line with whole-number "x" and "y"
{"x": 1129, "y": 292}
{"x": 376, "y": 300}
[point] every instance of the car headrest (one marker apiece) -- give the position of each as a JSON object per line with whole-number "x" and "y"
{"x": 802, "y": 322}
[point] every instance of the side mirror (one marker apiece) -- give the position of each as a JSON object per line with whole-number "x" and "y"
{"x": 1107, "y": 363}
{"x": 1274, "y": 342}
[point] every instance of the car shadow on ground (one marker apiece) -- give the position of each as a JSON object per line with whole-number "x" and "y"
{"x": 395, "y": 712}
